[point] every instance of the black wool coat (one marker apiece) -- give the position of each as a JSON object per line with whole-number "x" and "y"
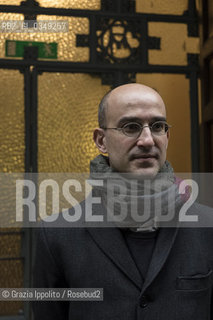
{"x": 178, "y": 285}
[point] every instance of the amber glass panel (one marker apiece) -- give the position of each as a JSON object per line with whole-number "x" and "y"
{"x": 210, "y": 17}
{"x": 73, "y": 4}
{"x": 175, "y": 91}
{"x": 11, "y": 160}
{"x": 66, "y": 40}
{"x": 11, "y": 2}
{"x": 11, "y": 277}
{"x": 11, "y": 273}
{"x": 67, "y": 49}
{"x": 162, "y": 6}
{"x": 175, "y": 43}
{"x": 10, "y": 245}
{"x": 11, "y": 121}
{"x": 66, "y": 120}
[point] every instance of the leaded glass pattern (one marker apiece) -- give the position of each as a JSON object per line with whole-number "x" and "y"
{"x": 72, "y": 4}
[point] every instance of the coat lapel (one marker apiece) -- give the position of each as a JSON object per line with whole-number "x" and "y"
{"x": 161, "y": 252}
{"x": 112, "y": 243}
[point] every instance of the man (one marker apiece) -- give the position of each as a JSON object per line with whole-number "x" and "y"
{"x": 146, "y": 272}
{"x": 133, "y": 103}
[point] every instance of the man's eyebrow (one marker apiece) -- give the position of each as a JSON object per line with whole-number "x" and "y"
{"x": 136, "y": 119}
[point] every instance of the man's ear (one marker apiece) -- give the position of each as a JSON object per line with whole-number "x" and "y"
{"x": 100, "y": 139}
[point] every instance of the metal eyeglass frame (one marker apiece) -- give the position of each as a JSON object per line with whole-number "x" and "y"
{"x": 134, "y": 135}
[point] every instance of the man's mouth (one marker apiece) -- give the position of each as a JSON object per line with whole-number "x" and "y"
{"x": 144, "y": 156}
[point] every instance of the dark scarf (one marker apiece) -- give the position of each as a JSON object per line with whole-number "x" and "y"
{"x": 141, "y": 196}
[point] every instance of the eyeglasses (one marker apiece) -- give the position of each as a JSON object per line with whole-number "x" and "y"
{"x": 134, "y": 129}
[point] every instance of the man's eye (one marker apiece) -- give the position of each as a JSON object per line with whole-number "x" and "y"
{"x": 131, "y": 127}
{"x": 158, "y": 126}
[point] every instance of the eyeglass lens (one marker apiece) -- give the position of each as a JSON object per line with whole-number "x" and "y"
{"x": 134, "y": 128}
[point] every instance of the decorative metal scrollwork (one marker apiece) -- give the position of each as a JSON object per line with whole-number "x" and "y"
{"x": 118, "y": 41}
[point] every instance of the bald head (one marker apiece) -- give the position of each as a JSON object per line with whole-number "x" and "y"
{"x": 129, "y": 105}
{"x": 123, "y": 93}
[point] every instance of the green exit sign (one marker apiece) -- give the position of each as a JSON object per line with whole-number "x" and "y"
{"x": 15, "y": 48}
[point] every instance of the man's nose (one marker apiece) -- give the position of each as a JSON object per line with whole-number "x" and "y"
{"x": 145, "y": 139}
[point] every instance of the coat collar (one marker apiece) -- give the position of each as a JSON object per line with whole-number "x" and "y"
{"x": 112, "y": 243}
{"x": 164, "y": 243}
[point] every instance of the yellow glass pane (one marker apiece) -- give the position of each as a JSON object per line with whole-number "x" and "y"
{"x": 66, "y": 120}
{"x": 11, "y": 2}
{"x": 72, "y": 4}
{"x": 175, "y": 44}
{"x": 10, "y": 245}
{"x": 162, "y": 6}
{"x": 198, "y": 4}
{"x": 210, "y": 17}
{"x": 11, "y": 160}
{"x": 11, "y": 274}
{"x": 66, "y": 40}
{"x": 12, "y": 121}
{"x": 174, "y": 89}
